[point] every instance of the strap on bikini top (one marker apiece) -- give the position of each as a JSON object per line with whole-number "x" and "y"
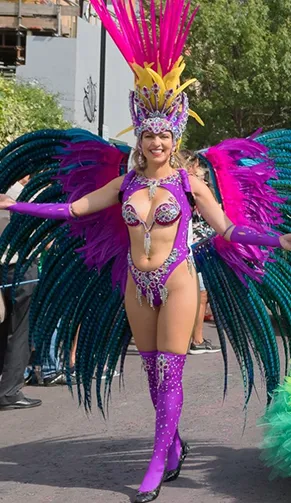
{"x": 185, "y": 183}
{"x": 126, "y": 181}
{"x": 187, "y": 188}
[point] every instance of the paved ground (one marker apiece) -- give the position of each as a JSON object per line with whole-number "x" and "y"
{"x": 55, "y": 453}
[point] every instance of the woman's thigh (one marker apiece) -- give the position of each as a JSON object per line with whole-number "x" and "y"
{"x": 142, "y": 319}
{"x": 176, "y": 319}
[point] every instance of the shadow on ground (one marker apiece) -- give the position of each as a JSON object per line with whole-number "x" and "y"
{"x": 116, "y": 465}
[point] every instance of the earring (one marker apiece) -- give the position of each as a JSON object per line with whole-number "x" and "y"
{"x": 140, "y": 160}
{"x": 172, "y": 160}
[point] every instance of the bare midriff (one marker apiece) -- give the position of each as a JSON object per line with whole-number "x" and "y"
{"x": 162, "y": 241}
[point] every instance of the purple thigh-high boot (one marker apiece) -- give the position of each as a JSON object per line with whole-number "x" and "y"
{"x": 168, "y": 410}
{"x": 149, "y": 361}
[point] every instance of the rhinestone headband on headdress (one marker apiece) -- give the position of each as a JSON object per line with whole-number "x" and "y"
{"x": 147, "y": 116}
{"x": 152, "y": 45}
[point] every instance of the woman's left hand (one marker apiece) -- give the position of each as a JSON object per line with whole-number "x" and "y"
{"x": 285, "y": 241}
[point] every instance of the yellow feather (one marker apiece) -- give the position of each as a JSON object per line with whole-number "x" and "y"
{"x": 143, "y": 77}
{"x": 139, "y": 69}
{"x": 179, "y": 61}
{"x": 196, "y": 116}
{"x": 127, "y": 130}
{"x": 178, "y": 145}
{"x": 182, "y": 87}
{"x": 157, "y": 78}
{"x": 180, "y": 64}
{"x": 172, "y": 79}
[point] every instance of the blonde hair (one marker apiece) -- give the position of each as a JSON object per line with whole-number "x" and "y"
{"x": 189, "y": 159}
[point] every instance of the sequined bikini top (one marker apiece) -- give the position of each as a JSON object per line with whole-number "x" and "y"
{"x": 166, "y": 213}
{"x": 175, "y": 208}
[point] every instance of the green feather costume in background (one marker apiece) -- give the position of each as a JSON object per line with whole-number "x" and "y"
{"x": 277, "y": 436}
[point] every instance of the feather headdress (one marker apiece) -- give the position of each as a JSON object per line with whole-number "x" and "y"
{"x": 152, "y": 45}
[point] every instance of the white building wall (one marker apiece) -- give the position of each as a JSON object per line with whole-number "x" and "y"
{"x": 51, "y": 62}
{"x": 87, "y": 69}
{"x": 119, "y": 81}
{"x": 65, "y": 66}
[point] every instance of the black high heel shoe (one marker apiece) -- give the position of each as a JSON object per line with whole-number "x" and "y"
{"x": 172, "y": 475}
{"x": 145, "y": 497}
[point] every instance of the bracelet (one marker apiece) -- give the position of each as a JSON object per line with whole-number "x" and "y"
{"x": 73, "y": 214}
{"x": 230, "y": 226}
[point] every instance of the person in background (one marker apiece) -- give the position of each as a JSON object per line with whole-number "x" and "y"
{"x": 201, "y": 230}
{"x": 51, "y": 372}
{"x": 14, "y": 343}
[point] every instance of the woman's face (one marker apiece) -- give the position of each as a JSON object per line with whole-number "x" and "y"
{"x": 157, "y": 148}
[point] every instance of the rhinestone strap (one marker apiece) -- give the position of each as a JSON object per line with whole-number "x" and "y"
{"x": 153, "y": 184}
{"x": 145, "y": 364}
{"x": 151, "y": 281}
{"x": 162, "y": 365}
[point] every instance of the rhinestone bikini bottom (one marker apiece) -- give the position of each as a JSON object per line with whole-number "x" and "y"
{"x": 151, "y": 284}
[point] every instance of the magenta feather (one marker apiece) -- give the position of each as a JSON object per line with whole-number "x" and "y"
{"x": 247, "y": 200}
{"x": 138, "y": 39}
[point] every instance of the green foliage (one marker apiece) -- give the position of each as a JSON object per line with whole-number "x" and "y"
{"x": 240, "y": 53}
{"x": 25, "y": 108}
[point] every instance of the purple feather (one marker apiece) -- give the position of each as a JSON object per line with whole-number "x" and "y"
{"x": 93, "y": 164}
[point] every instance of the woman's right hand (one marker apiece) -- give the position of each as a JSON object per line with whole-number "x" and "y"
{"x": 6, "y": 201}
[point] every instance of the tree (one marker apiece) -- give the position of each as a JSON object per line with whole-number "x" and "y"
{"x": 25, "y": 108}
{"x": 240, "y": 53}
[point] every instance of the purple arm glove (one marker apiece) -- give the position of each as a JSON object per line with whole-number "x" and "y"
{"x": 50, "y": 210}
{"x": 248, "y": 236}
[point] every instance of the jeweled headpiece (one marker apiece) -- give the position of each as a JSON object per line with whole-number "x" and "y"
{"x": 153, "y": 51}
